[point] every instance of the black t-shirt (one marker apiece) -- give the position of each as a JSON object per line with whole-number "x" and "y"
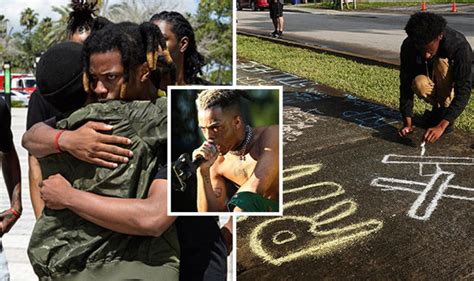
{"x": 6, "y": 136}
{"x": 203, "y": 251}
{"x": 39, "y": 110}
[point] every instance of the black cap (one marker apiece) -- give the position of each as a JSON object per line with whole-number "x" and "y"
{"x": 59, "y": 76}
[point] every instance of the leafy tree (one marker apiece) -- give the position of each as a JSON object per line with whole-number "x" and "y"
{"x": 30, "y": 43}
{"x": 3, "y": 26}
{"x": 29, "y": 19}
{"x": 213, "y": 26}
{"x": 138, "y": 11}
{"x": 58, "y": 32}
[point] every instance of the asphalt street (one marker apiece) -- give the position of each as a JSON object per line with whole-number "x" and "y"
{"x": 375, "y": 33}
{"x": 359, "y": 202}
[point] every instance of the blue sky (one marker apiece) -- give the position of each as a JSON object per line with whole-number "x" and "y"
{"x": 11, "y": 9}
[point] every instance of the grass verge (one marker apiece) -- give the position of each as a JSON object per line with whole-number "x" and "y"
{"x": 374, "y": 83}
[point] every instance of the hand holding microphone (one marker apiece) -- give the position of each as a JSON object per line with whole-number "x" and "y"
{"x": 205, "y": 155}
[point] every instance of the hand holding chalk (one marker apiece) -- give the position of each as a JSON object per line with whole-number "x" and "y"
{"x": 403, "y": 132}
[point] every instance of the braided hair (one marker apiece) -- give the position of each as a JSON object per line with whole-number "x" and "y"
{"x": 193, "y": 60}
{"x": 81, "y": 17}
{"x": 137, "y": 44}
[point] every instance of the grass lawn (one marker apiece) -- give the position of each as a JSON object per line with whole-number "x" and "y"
{"x": 369, "y": 82}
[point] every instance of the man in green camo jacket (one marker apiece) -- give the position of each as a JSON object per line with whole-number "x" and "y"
{"x": 94, "y": 231}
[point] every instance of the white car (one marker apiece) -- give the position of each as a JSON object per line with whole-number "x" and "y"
{"x": 18, "y": 96}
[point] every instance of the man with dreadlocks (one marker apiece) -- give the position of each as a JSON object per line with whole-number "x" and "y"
{"x": 81, "y": 20}
{"x": 179, "y": 36}
{"x": 435, "y": 64}
{"x": 112, "y": 224}
{"x": 204, "y": 246}
{"x": 234, "y": 151}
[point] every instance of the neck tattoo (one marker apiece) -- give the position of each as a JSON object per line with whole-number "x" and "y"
{"x": 240, "y": 149}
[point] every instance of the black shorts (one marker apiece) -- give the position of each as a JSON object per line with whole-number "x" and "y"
{"x": 276, "y": 9}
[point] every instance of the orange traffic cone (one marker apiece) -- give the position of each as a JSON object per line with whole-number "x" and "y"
{"x": 453, "y": 9}
{"x": 423, "y": 6}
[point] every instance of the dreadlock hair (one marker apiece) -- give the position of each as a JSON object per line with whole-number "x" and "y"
{"x": 180, "y": 26}
{"x": 81, "y": 17}
{"x": 136, "y": 43}
{"x": 424, "y": 27}
{"x": 223, "y": 98}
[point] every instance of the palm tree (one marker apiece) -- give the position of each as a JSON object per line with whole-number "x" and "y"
{"x": 29, "y": 19}
{"x": 138, "y": 10}
{"x": 3, "y": 26}
{"x": 58, "y": 31}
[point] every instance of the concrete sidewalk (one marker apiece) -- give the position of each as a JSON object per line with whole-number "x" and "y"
{"x": 16, "y": 241}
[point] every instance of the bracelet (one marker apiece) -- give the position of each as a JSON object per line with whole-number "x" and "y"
{"x": 56, "y": 141}
{"x": 15, "y": 213}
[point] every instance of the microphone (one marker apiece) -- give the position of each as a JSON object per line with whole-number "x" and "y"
{"x": 183, "y": 169}
{"x": 200, "y": 159}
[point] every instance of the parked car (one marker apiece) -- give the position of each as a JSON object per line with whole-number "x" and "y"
{"x": 23, "y": 98}
{"x": 252, "y": 4}
{"x": 20, "y": 82}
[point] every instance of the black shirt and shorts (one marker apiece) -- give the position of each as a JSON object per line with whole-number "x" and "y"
{"x": 276, "y": 9}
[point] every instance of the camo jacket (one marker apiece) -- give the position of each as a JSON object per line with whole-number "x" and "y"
{"x": 62, "y": 243}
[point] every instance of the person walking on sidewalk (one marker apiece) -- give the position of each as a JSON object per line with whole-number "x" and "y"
{"x": 12, "y": 175}
{"x": 436, "y": 66}
{"x": 276, "y": 14}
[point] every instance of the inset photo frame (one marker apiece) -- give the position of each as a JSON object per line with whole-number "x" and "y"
{"x": 225, "y": 151}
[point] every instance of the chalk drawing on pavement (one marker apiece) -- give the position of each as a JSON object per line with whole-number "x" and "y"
{"x": 363, "y": 113}
{"x": 296, "y": 120}
{"x": 297, "y": 235}
{"x": 431, "y": 192}
{"x": 367, "y": 119}
{"x": 275, "y": 76}
{"x": 370, "y": 115}
{"x": 309, "y": 95}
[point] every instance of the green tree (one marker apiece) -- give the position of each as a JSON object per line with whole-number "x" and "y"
{"x": 213, "y": 26}
{"x": 30, "y": 43}
{"x": 58, "y": 32}
{"x": 29, "y": 19}
{"x": 138, "y": 11}
{"x": 3, "y": 26}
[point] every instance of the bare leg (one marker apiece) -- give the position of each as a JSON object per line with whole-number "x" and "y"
{"x": 275, "y": 24}
{"x": 281, "y": 21}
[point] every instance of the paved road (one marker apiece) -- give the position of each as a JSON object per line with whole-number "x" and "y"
{"x": 359, "y": 203}
{"x": 378, "y": 34}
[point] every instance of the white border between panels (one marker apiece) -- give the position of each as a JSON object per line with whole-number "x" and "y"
{"x": 280, "y": 170}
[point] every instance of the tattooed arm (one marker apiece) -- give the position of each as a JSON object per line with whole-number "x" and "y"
{"x": 211, "y": 189}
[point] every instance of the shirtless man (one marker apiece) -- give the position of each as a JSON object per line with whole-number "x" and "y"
{"x": 248, "y": 157}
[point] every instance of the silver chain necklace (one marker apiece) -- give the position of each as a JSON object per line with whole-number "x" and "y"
{"x": 243, "y": 145}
